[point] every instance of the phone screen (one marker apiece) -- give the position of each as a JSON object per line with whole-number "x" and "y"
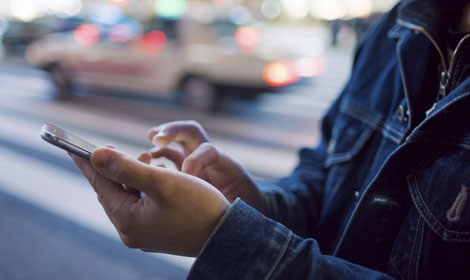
{"x": 76, "y": 141}
{"x": 67, "y": 141}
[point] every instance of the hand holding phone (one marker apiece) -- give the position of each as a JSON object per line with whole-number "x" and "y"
{"x": 67, "y": 141}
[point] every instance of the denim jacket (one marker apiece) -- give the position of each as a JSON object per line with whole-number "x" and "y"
{"x": 386, "y": 194}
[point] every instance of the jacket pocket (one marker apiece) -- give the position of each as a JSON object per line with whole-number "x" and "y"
{"x": 434, "y": 241}
{"x": 440, "y": 191}
{"x": 348, "y": 164}
{"x": 349, "y": 135}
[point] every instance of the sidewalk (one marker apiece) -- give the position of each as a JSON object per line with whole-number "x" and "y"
{"x": 36, "y": 244}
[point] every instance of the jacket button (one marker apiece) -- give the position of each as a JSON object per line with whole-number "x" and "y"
{"x": 402, "y": 114}
{"x": 357, "y": 197}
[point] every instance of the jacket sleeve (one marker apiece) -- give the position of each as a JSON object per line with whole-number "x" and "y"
{"x": 248, "y": 245}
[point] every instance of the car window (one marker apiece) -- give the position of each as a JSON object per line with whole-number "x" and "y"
{"x": 224, "y": 28}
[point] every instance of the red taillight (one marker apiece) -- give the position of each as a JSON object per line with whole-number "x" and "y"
{"x": 279, "y": 73}
{"x": 86, "y": 34}
{"x": 153, "y": 42}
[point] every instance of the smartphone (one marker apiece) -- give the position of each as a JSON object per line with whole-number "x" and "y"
{"x": 67, "y": 141}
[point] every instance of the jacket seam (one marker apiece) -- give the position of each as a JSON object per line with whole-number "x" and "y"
{"x": 375, "y": 123}
{"x": 347, "y": 156}
{"x": 413, "y": 246}
{"x": 281, "y": 254}
{"x": 420, "y": 249}
{"x": 397, "y": 271}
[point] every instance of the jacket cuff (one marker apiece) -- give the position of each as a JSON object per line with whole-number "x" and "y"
{"x": 245, "y": 245}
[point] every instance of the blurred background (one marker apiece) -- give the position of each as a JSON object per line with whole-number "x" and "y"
{"x": 258, "y": 75}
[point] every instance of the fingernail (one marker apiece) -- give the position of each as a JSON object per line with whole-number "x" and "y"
{"x": 156, "y": 138}
{"x": 111, "y": 145}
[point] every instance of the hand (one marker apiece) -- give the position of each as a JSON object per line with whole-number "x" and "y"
{"x": 176, "y": 215}
{"x": 200, "y": 158}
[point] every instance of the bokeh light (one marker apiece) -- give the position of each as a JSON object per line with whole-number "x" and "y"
{"x": 279, "y": 73}
{"x": 327, "y": 9}
{"x": 248, "y": 38}
{"x": 25, "y": 10}
{"x": 239, "y": 15}
{"x": 119, "y": 3}
{"x": 271, "y": 9}
{"x": 170, "y": 8}
{"x": 68, "y": 7}
{"x": 153, "y": 42}
{"x": 72, "y": 7}
{"x": 86, "y": 34}
{"x": 359, "y": 8}
{"x": 296, "y": 9}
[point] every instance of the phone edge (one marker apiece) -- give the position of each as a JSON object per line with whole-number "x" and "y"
{"x": 52, "y": 139}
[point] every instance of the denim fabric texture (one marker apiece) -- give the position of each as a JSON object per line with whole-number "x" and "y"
{"x": 386, "y": 193}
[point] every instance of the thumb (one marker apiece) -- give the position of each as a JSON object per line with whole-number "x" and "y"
{"x": 124, "y": 169}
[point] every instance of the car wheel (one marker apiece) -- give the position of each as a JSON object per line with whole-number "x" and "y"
{"x": 199, "y": 94}
{"x": 61, "y": 82}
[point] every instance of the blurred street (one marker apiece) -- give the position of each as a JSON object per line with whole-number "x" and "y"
{"x": 52, "y": 226}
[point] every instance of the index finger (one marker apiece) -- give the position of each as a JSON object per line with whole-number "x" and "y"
{"x": 189, "y": 134}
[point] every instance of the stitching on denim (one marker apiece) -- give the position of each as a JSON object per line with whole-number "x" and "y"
{"x": 412, "y": 187}
{"x": 351, "y": 108}
{"x": 397, "y": 271}
{"x": 357, "y": 112}
{"x": 413, "y": 247}
{"x": 453, "y": 214}
{"x": 281, "y": 254}
{"x": 421, "y": 241}
{"x": 346, "y": 156}
{"x": 385, "y": 133}
{"x": 386, "y": 130}
{"x": 461, "y": 145}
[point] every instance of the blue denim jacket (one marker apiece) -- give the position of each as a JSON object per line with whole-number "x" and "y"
{"x": 384, "y": 195}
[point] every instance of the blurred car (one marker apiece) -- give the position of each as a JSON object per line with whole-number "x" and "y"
{"x": 19, "y": 34}
{"x": 201, "y": 62}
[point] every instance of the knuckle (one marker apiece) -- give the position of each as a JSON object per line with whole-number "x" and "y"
{"x": 129, "y": 241}
{"x": 194, "y": 124}
{"x": 208, "y": 146}
{"x": 120, "y": 168}
{"x": 121, "y": 223}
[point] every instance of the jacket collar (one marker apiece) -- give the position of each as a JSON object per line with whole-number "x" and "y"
{"x": 433, "y": 15}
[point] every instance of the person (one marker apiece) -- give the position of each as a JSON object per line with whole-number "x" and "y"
{"x": 385, "y": 194}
